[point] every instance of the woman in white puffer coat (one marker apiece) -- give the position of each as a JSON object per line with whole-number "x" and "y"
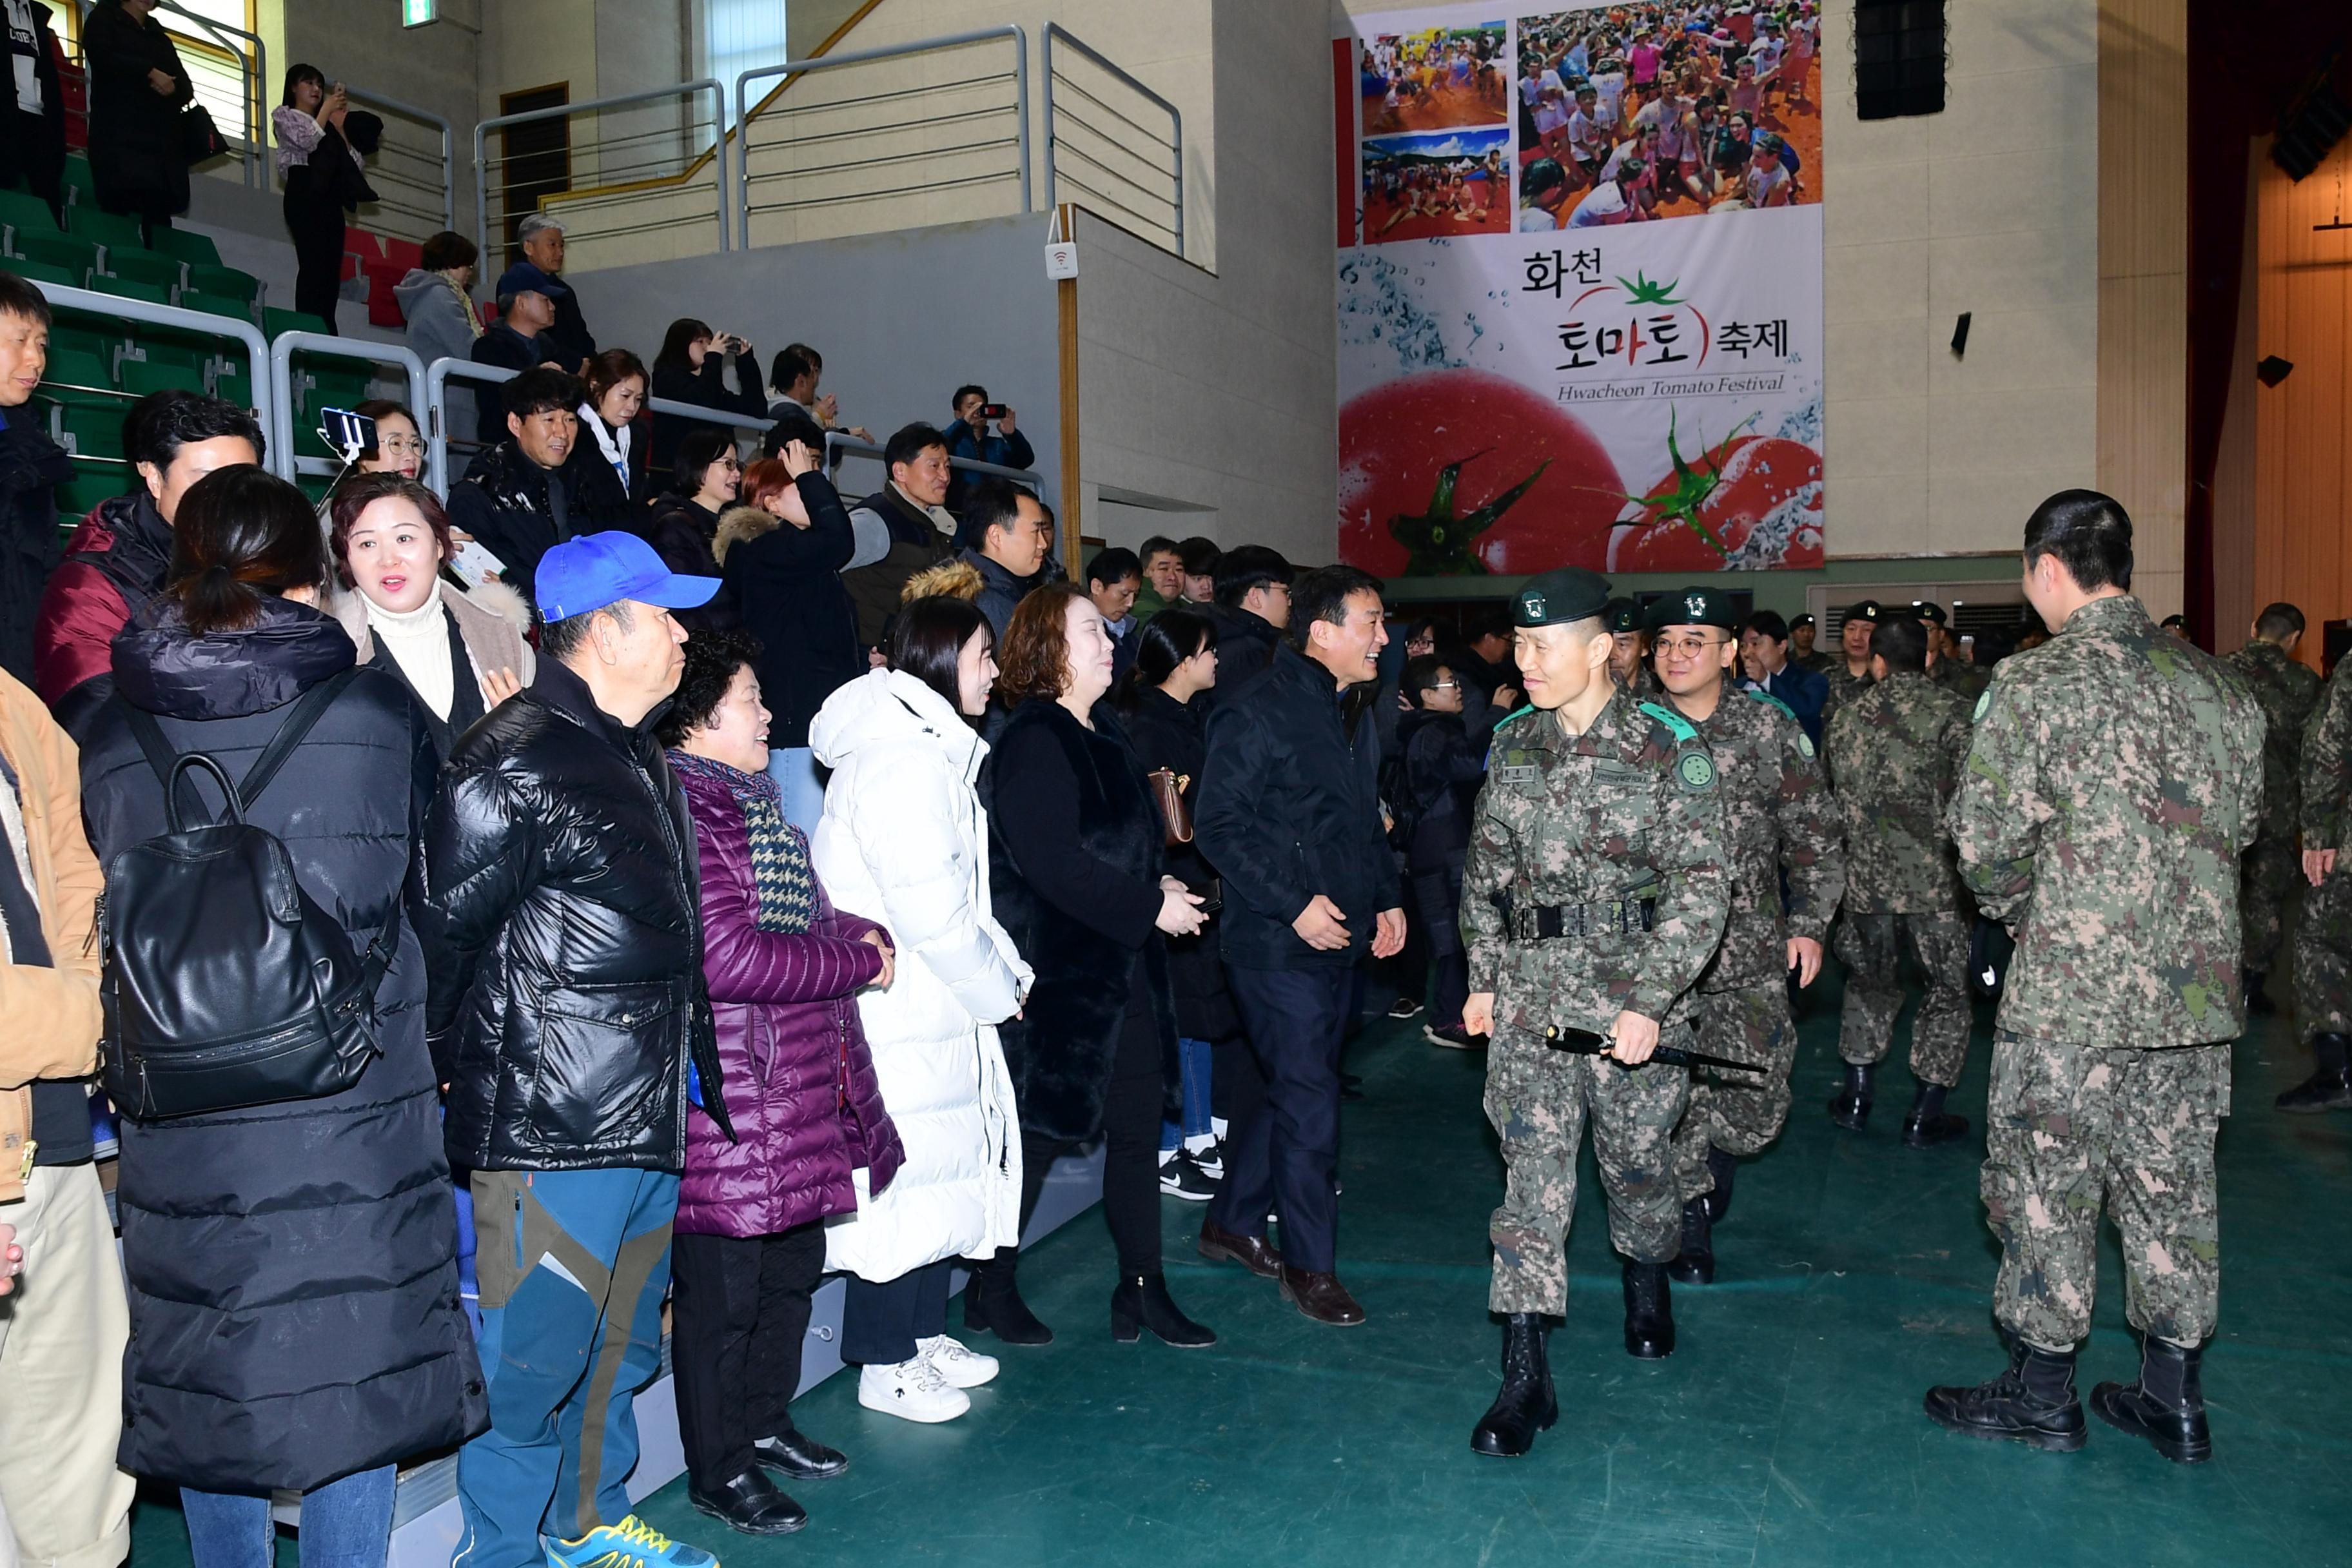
{"x": 904, "y": 843}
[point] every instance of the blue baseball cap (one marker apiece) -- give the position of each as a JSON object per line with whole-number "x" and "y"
{"x": 597, "y": 570}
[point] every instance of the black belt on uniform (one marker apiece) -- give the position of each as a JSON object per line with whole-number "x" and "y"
{"x": 1549, "y": 923}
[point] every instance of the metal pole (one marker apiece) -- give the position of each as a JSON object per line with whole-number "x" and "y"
{"x": 482, "y": 202}
{"x": 281, "y": 382}
{"x": 1021, "y": 108}
{"x": 1052, "y": 143}
{"x": 436, "y": 395}
{"x": 449, "y": 173}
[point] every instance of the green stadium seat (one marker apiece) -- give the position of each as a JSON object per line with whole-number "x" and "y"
{"x": 42, "y": 272}
{"x": 141, "y": 377}
{"x": 92, "y": 483}
{"x": 95, "y": 432}
{"x": 233, "y": 382}
{"x": 80, "y": 187}
{"x": 226, "y": 281}
{"x": 275, "y": 322}
{"x": 63, "y": 251}
{"x": 22, "y": 209}
{"x": 142, "y": 267}
{"x": 124, "y": 289}
{"x": 74, "y": 368}
{"x": 196, "y": 250}
{"x": 107, "y": 228}
{"x": 76, "y": 332}
{"x": 216, "y": 305}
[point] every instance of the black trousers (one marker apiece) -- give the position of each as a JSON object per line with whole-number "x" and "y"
{"x": 1284, "y": 1154}
{"x": 739, "y": 1313}
{"x": 880, "y": 1323}
{"x": 316, "y": 227}
{"x": 1130, "y": 1147}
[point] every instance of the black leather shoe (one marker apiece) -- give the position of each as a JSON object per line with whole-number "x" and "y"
{"x": 1254, "y": 1253}
{"x": 1695, "y": 1265}
{"x": 1526, "y": 1404}
{"x": 2032, "y": 1403}
{"x": 1649, "y": 1312}
{"x": 1141, "y": 1302}
{"x": 1850, "y": 1107}
{"x": 1321, "y": 1296}
{"x": 752, "y": 1504}
{"x": 1723, "y": 1167}
{"x": 1929, "y": 1124}
{"x": 2329, "y": 1088}
{"x": 993, "y": 1303}
{"x": 2167, "y": 1406}
{"x": 800, "y": 1456}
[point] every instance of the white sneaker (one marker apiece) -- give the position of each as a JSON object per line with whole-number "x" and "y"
{"x": 913, "y": 1391}
{"x": 961, "y": 1368}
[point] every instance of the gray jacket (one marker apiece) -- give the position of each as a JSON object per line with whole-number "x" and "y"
{"x": 438, "y": 327}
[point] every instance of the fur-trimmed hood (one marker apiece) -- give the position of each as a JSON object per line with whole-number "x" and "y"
{"x": 955, "y": 579}
{"x": 738, "y": 523}
{"x": 493, "y": 620}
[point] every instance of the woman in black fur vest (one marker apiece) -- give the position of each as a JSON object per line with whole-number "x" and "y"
{"x": 1076, "y": 877}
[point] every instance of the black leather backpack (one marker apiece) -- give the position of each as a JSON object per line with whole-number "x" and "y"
{"x": 225, "y": 985}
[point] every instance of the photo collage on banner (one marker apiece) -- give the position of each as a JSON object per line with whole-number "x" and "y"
{"x": 1580, "y": 302}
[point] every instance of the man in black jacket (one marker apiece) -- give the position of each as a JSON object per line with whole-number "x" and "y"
{"x": 1251, "y": 608}
{"x": 1289, "y": 814}
{"x": 563, "y": 935}
{"x": 31, "y": 465}
{"x": 512, "y": 498}
{"x": 1005, "y": 534}
{"x": 518, "y": 340}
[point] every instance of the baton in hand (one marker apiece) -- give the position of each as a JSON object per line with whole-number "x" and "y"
{"x": 1585, "y": 1043}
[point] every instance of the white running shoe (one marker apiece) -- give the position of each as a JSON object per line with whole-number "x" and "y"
{"x": 960, "y": 1367}
{"x": 913, "y": 1391}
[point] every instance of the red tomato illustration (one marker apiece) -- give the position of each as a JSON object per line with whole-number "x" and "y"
{"x": 1753, "y": 501}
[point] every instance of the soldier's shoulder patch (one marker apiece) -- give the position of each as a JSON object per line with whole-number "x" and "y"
{"x": 1697, "y": 771}
{"x": 1768, "y": 700}
{"x": 1678, "y": 726}
{"x": 1515, "y": 714}
{"x": 1804, "y": 745}
{"x": 1984, "y": 706}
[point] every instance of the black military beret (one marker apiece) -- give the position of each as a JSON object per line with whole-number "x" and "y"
{"x": 1868, "y": 610}
{"x": 1558, "y": 597}
{"x": 1929, "y": 610}
{"x": 1801, "y": 621}
{"x": 1623, "y": 614}
{"x": 1694, "y": 607}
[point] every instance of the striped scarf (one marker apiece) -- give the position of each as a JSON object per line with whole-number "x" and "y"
{"x": 783, "y": 888}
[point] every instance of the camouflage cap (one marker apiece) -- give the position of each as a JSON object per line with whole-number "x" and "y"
{"x": 1929, "y": 610}
{"x": 1622, "y": 616}
{"x": 1692, "y": 607}
{"x": 1558, "y": 597}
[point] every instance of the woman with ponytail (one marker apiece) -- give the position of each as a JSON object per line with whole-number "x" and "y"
{"x": 297, "y": 1258}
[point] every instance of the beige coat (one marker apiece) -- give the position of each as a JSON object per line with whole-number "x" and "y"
{"x": 493, "y": 622}
{"x": 49, "y": 1017}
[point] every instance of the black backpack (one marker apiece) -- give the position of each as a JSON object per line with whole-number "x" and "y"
{"x": 224, "y": 984}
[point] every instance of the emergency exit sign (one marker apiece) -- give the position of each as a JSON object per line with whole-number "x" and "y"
{"x": 416, "y": 13}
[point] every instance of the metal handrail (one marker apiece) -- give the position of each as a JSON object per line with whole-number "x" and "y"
{"x": 597, "y": 105}
{"x": 436, "y": 394}
{"x": 62, "y": 296}
{"x": 283, "y": 462}
{"x": 838, "y": 445}
{"x": 1175, "y": 118}
{"x": 794, "y": 70}
{"x": 448, "y": 183}
{"x": 252, "y": 72}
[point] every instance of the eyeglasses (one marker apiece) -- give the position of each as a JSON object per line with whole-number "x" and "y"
{"x": 400, "y": 444}
{"x": 1445, "y": 686}
{"x": 1690, "y": 647}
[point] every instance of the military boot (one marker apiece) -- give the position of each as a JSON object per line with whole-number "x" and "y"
{"x": 1723, "y": 1167}
{"x": 2329, "y": 1088}
{"x": 1649, "y": 1311}
{"x": 2258, "y": 996}
{"x": 1928, "y": 1124}
{"x": 1850, "y": 1107}
{"x": 2167, "y": 1406}
{"x": 1695, "y": 1265}
{"x": 1526, "y": 1404}
{"x": 2032, "y": 1403}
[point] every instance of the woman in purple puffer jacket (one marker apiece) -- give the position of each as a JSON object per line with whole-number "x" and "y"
{"x": 782, "y": 969}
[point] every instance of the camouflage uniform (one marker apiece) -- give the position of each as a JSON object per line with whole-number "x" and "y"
{"x": 1817, "y": 661}
{"x": 1898, "y": 752}
{"x": 1780, "y": 818}
{"x": 1963, "y": 680}
{"x": 2323, "y": 936}
{"x": 1844, "y": 687}
{"x": 1629, "y": 810}
{"x": 2272, "y": 870}
{"x": 2112, "y": 784}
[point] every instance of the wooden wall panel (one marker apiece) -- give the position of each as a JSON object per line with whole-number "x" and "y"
{"x": 2142, "y": 417}
{"x": 2236, "y": 591}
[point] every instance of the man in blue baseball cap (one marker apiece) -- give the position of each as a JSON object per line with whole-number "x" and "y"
{"x": 562, "y": 933}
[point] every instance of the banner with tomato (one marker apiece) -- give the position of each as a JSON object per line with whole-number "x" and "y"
{"x": 1636, "y": 396}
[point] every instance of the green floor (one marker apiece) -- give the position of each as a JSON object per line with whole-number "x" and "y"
{"x": 1785, "y": 1429}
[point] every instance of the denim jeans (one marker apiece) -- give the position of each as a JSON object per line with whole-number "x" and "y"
{"x": 345, "y": 1524}
{"x": 795, "y": 770}
{"x": 1192, "y": 1066}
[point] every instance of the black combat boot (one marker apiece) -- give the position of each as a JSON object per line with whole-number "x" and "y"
{"x": 1526, "y": 1404}
{"x": 1649, "y": 1311}
{"x": 1722, "y": 1167}
{"x": 2329, "y": 1088}
{"x": 1850, "y": 1107}
{"x": 1695, "y": 1265}
{"x": 2167, "y": 1406}
{"x": 2032, "y": 1403}
{"x": 992, "y": 1302}
{"x": 2258, "y": 999}
{"x": 1928, "y": 1124}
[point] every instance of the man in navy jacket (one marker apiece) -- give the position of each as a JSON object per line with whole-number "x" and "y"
{"x": 1764, "y": 658}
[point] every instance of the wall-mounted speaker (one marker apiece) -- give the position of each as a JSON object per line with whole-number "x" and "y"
{"x": 1960, "y": 335}
{"x": 2270, "y": 370}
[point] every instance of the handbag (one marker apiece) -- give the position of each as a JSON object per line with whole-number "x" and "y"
{"x": 1167, "y": 789}
{"x": 199, "y": 138}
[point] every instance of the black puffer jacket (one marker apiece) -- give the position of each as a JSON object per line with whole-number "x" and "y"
{"x": 1166, "y": 734}
{"x": 518, "y": 510}
{"x": 135, "y": 148}
{"x": 786, "y": 583}
{"x": 31, "y": 465}
{"x": 1290, "y": 808}
{"x": 563, "y": 934}
{"x": 292, "y": 1270}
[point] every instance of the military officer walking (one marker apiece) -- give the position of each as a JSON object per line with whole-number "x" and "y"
{"x": 2270, "y": 869}
{"x": 2323, "y": 934}
{"x": 1593, "y": 896}
{"x": 1849, "y": 674}
{"x": 1781, "y": 823}
{"x": 1802, "y": 651}
{"x": 1897, "y": 752}
{"x": 2114, "y": 780}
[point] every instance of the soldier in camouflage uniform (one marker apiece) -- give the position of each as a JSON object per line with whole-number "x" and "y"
{"x": 1849, "y": 675}
{"x": 1897, "y": 751}
{"x": 1947, "y": 669}
{"x": 2323, "y": 935}
{"x": 1594, "y": 894}
{"x": 1802, "y": 651}
{"x": 1629, "y": 664}
{"x": 2113, "y": 782}
{"x": 1781, "y": 822}
{"x": 2271, "y": 871}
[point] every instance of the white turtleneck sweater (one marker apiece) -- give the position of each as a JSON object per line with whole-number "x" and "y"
{"x": 419, "y": 640}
